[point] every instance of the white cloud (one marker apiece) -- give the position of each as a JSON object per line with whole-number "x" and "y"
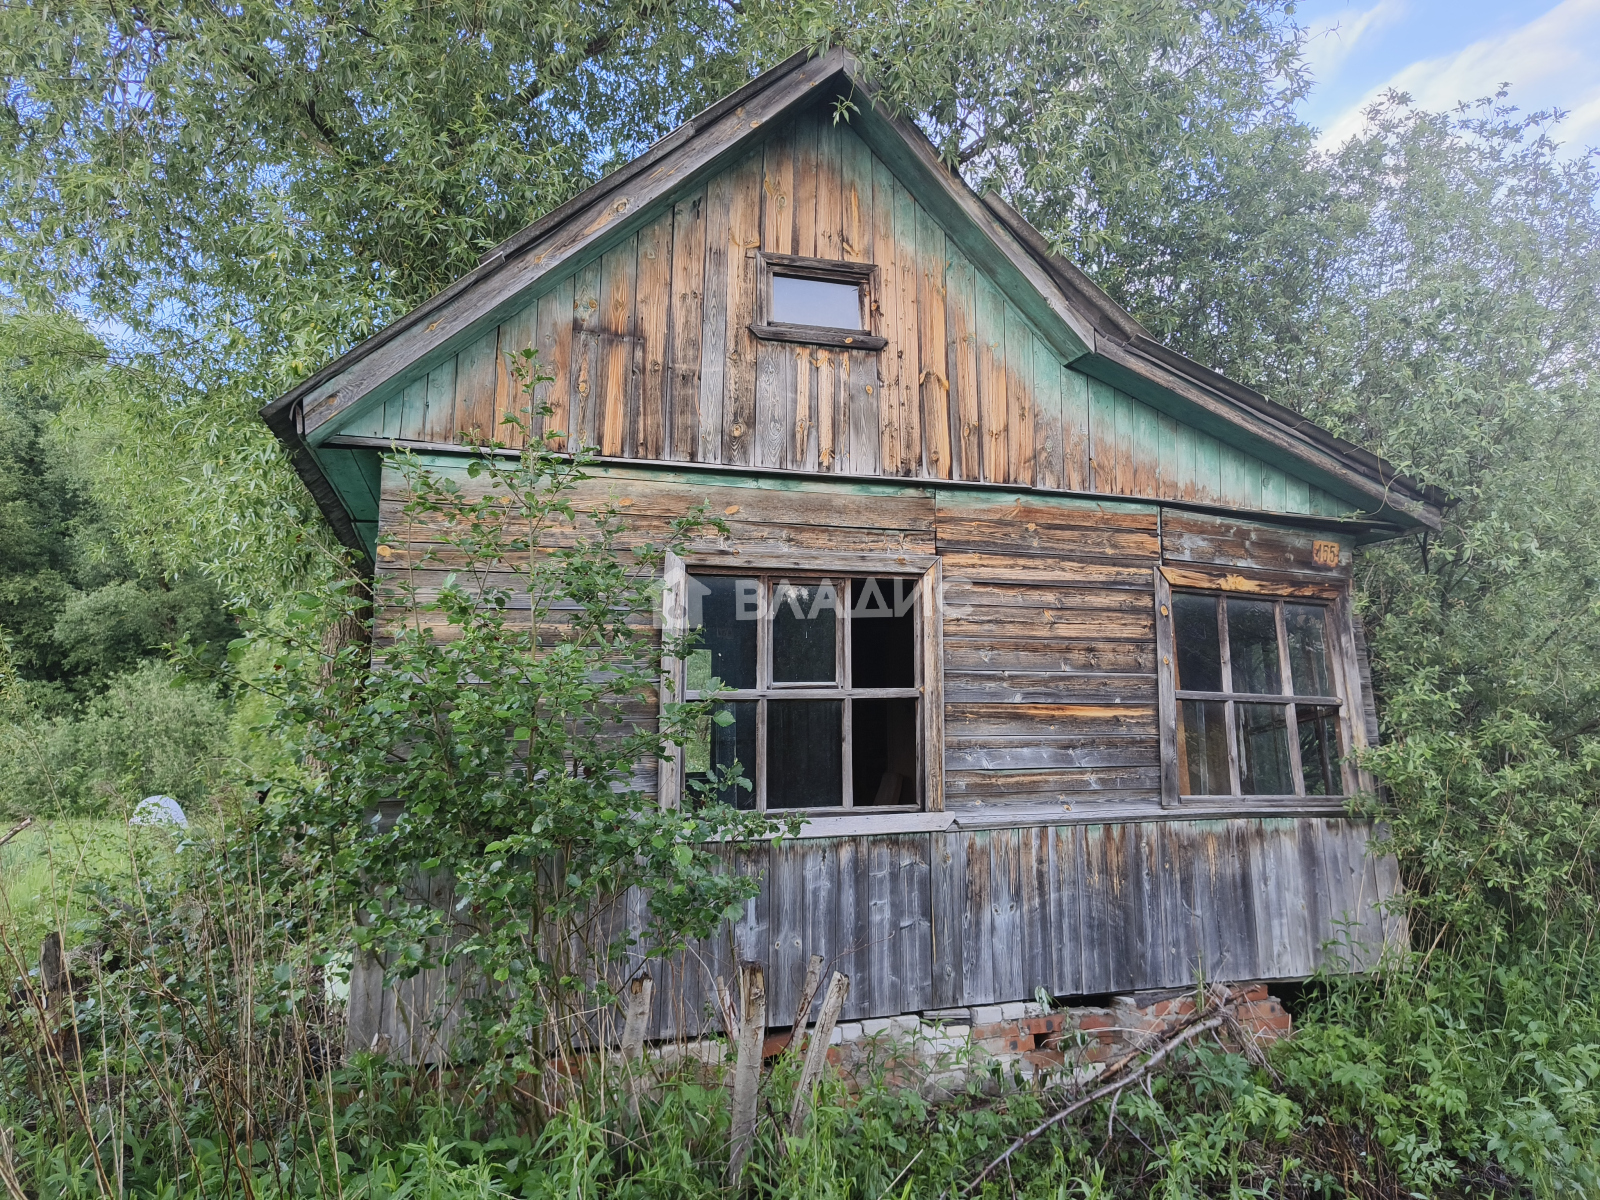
{"x": 1330, "y": 42}
{"x": 1550, "y": 61}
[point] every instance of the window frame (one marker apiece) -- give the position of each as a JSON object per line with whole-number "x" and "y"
{"x": 1348, "y": 698}
{"x": 924, "y": 572}
{"x": 863, "y": 276}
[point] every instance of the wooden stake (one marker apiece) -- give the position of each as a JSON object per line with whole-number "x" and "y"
{"x": 640, "y": 992}
{"x": 730, "y": 1019}
{"x": 747, "y": 1066}
{"x": 802, "y": 1010}
{"x": 817, "y": 1052}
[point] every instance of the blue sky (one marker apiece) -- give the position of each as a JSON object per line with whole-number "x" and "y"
{"x": 1442, "y": 51}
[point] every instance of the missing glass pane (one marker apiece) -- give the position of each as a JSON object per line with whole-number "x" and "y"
{"x": 1263, "y": 748}
{"x": 725, "y": 611}
{"x": 1204, "y": 745}
{"x": 1194, "y": 621}
{"x": 883, "y": 746}
{"x": 717, "y": 746}
{"x": 805, "y": 618}
{"x": 805, "y": 753}
{"x": 1319, "y": 750}
{"x": 1308, "y": 649}
{"x": 820, "y": 302}
{"x": 1253, "y": 647}
{"x": 883, "y": 634}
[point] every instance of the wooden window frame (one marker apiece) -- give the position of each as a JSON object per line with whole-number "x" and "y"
{"x": 928, "y": 577}
{"x": 862, "y": 275}
{"x": 1343, "y": 662}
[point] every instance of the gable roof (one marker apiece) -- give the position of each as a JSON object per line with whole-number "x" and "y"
{"x": 1082, "y": 324}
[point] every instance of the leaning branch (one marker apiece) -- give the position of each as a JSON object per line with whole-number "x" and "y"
{"x": 1114, "y": 1088}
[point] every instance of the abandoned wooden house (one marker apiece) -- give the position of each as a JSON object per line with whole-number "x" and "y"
{"x": 1046, "y": 628}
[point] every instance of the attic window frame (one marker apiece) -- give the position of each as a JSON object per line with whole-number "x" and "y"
{"x": 862, "y": 276}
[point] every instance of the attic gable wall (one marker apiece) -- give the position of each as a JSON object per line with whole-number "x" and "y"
{"x": 653, "y": 360}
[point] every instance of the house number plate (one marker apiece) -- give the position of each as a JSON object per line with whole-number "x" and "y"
{"x": 1325, "y": 554}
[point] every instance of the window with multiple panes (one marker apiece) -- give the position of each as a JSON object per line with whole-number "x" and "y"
{"x": 1258, "y": 697}
{"x": 822, "y": 680}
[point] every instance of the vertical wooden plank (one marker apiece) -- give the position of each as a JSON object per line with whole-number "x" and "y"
{"x": 1076, "y": 475}
{"x": 961, "y": 356}
{"x": 739, "y": 381}
{"x": 1066, "y": 902}
{"x": 787, "y": 958}
{"x": 807, "y": 136}
{"x": 1034, "y": 910}
{"x": 1167, "y": 458}
{"x": 948, "y": 889}
{"x": 1019, "y": 398}
{"x": 1207, "y": 467}
{"x": 801, "y": 385}
{"x": 687, "y": 326}
{"x": 475, "y": 377}
{"x": 850, "y": 937}
{"x": 1102, "y": 437}
{"x": 1166, "y": 692}
{"x": 517, "y": 333}
{"x": 890, "y": 357}
{"x": 1005, "y": 884}
{"x": 935, "y": 384}
{"x": 1145, "y": 443}
{"x": 714, "y": 317}
{"x": 1241, "y": 479}
{"x": 777, "y": 198}
{"x": 1274, "y": 486}
{"x": 828, "y": 409}
{"x": 820, "y": 916}
{"x": 912, "y": 453}
{"x": 618, "y": 289}
{"x": 865, "y": 397}
{"x": 992, "y": 411}
{"x": 1049, "y": 461}
{"x": 977, "y": 930}
{"x": 1185, "y": 474}
{"x": 883, "y": 976}
{"x": 1123, "y": 437}
{"x": 855, "y": 196}
{"x": 914, "y": 937}
{"x": 439, "y": 413}
{"x": 829, "y": 200}
{"x": 654, "y": 305}
{"x": 412, "y": 424}
{"x": 774, "y": 401}
{"x": 586, "y": 366}
{"x": 553, "y": 339}
{"x": 1296, "y": 495}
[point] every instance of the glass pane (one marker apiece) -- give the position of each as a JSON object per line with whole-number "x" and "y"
{"x": 1203, "y": 744}
{"x": 726, "y": 612}
{"x": 805, "y": 753}
{"x": 804, "y": 644}
{"x": 1253, "y": 647}
{"x": 815, "y": 302}
{"x": 1308, "y": 649}
{"x": 1194, "y": 628}
{"x": 1263, "y": 749}
{"x": 1319, "y": 750}
{"x": 883, "y": 634}
{"x": 718, "y": 746}
{"x": 883, "y": 749}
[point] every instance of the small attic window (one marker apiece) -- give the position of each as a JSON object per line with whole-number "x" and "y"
{"x": 797, "y": 300}
{"x": 816, "y": 301}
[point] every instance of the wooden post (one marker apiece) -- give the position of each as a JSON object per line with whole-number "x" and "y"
{"x": 730, "y": 1019}
{"x": 802, "y": 1009}
{"x": 747, "y": 1066}
{"x": 817, "y": 1052}
{"x": 640, "y": 992}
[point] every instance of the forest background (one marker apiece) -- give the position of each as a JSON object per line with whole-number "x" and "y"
{"x": 201, "y": 205}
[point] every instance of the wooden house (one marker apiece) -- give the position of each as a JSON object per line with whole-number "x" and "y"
{"x": 1046, "y": 627}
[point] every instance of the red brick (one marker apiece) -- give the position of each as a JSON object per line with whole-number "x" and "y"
{"x": 1092, "y": 1021}
{"x": 1045, "y": 1058}
{"x": 999, "y": 1029}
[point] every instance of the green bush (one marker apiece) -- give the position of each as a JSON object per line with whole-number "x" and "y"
{"x": 150, "y": 732}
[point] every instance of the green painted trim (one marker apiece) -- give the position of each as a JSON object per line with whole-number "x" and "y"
{"x": 357, "y": 475}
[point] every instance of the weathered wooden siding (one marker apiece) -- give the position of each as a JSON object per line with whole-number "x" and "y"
{"x": 929, "y": 921}
{"x": 652, "y": 357}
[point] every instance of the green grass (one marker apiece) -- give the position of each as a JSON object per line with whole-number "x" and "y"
{"x": 44, "y": 866}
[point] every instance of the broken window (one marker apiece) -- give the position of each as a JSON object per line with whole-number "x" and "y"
{"x": 1258, "y": 703}
{"x": 821, "y": 707}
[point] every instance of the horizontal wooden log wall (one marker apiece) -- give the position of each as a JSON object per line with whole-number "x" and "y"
{"x": 652, "y": 357}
